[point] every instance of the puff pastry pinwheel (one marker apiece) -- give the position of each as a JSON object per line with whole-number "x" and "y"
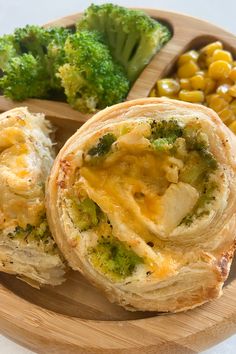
{"x": 142, "y": 201}
{"x": 26, "y": 155}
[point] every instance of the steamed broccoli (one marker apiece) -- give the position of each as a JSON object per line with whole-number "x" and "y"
{"x": 132, "y": 36}
{"x": 31, "y": 39}
{"x": 90, "y": 78}
{"x": 103, "y": 146}
{"x": 56, "y": 54}
{"x": 114, "y": 258}
{"x": 86, "y": 213}
{"x": 168, "y": 130}
{"x": 29, "y": 60}
{"x": 24, "y": 77}
{"x": 7, "y": 51}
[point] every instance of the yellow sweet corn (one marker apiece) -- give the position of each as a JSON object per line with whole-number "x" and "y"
{"x": 206, "y": 76}
{"x": 197, "y": 82}
{"x": 226, "y": 81}
{"x": 217, "y": 103}
{"x": 185, "y": 84}
{"x": 191, "y": 96}
{"x": 190, "y": 55}
{"x": 227, "y": 116}
{"x": 233, "y": 106}
{"x": 153, "y": 93}
{"x": 167, "y": 87}
{"x": 210, "y": 85}
{"x": 232, "y": 126}
{"x": 232, "y": 74}
{"x": 219, "y": 69}
{"x": 187, "y": 70}
{"x": 210, "y": 48}
{"x": 223, "y": 91}
{"x": 220, "y": 54}
{"x": 232, "y": 91}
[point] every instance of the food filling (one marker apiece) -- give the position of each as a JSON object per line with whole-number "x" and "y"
{"x": 137, "y": 185}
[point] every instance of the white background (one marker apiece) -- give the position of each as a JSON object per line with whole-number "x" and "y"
{"x": 15, "y": 13}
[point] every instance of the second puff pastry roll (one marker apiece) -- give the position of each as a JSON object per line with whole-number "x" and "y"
{"x": 141, "y": 200}
{"x": 27, "y": 248}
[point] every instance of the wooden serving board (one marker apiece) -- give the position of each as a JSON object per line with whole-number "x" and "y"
{"x": 75, "y": 317}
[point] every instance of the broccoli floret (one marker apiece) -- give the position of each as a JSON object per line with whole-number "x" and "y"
{"x": 103, "y": 146}
{"x": 86, "y": 214}
{"x": 132, "y": 36}
{"x": 24, "y": 77}
{"x": 207, "y": 196}
{"x": 114, "y": 258}
{"x": 56, "y": 54}
{"x": 32, "y": 39}
{"x": 169, "y": 130}
{"x": 161, "y": 144}
{"x": 7, "y": 51}
{"x": 90, "y": 78}
{"x": 196, "y": 140}
{"x": 30, "y": 59}
{"x": 35, "y": 233}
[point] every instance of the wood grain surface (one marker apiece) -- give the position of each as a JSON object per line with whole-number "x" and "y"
{"x": 75, "y": 317}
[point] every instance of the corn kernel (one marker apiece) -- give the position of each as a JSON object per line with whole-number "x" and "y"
{"x": 220, "y": 54}
{"x": 185, "y": 84}
{"x": 226, "y": 81}
{"x": 232, "y": 127}
{"x": 219, "y": 69}
{"x": 209, "y": 60}
{"x": 232, "y": 91}
{"x": 191, "y": 96}
{"x": 187, "y": 70}
{"x": 210, "y": 48}
{"x": 197, "y": 82}
{"x": 222, "y": 90}
{"x": 232, "y": 74}
{"x": 217, "y": 103}
{"x": 191, "y": 55}
{"x": 167, "y": 87}
{"x": 202, "y": 73}
{"x": 210, "y": 85}
{"x": 227, "y": 116}
{"x": 202, "y": 61}
{"x": 153, "y": 93}
{"x": 233, "y": 106}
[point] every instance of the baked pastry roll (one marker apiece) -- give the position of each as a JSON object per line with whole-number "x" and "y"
{"x": 141, "y": 200}
{"x": 26, "y": 156}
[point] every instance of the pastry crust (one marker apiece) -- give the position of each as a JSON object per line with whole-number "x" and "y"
{"x": 26, "y": 156}
{"x": 186, "y": 262}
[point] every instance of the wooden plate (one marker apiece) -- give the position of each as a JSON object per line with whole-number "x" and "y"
{"x": 75, "y": 317}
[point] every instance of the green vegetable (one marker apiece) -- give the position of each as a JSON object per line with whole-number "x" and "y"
{"x": 39, "y": 234}
{"x": 86, "y": 214}
{"x": 90, "y": 77}
{"x": 114, "y": 258}
{"x": 7, "y": 51}
{"x": 56, "y": 54}
{"x": 24, "y": 77}
{"x": 161, "y": 144}
{"x": 207, "y": 196}
{"x": 196, "y": 140}
{"x": 169, "y": 130}
{"x": 32, "y": 39}
{"x": 103, "y": 146}
{"x": 196, "y": 168}
{"x": 29, "y": 60}
{"x": 132, "y": 36}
